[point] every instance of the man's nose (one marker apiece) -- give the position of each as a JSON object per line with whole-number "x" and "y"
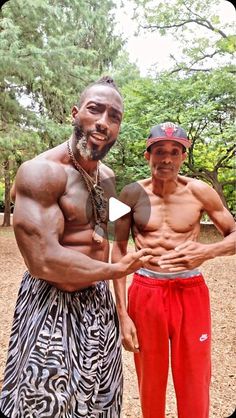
{"x": 167, "y": 158}
{"x": 102, "y": 123}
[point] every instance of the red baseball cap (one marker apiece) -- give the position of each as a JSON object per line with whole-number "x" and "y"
{"x": 167, "y": 131}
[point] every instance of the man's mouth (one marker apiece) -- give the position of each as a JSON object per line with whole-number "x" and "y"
{"x": 99, "y": 136}
{"x": 165, "y": 168}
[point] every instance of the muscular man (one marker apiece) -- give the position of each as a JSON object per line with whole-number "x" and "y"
{"x": 64, "y": 354}
{"x": 168, "y": 301}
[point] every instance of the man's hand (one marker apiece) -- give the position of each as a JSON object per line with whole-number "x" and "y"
{"x": 133, "y": 261}
{"x": 186, "y": 256}
{"x": 128, "y": 334}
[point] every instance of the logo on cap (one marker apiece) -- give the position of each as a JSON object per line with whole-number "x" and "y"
{"x": 169, "y": 128}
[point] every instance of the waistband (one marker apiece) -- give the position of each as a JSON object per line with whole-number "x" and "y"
{"x": 174, "y": 282}
{"x": 163, "y": 276}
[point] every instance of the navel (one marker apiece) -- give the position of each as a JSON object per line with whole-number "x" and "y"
{"x": 166, "y": 235}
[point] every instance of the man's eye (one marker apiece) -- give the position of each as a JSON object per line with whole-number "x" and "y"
{"x": 93, "y": 109}
{"x": 115, "y": 117}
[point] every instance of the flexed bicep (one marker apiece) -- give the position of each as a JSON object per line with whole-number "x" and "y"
{"x": 38, "y": 221}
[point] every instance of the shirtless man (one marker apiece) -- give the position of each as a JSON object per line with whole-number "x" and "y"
{"x": 64, "y": 357}
{"x": 168, "y": 301}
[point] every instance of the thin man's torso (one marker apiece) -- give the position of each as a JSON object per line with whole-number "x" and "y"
{"x": 173, "y": 219}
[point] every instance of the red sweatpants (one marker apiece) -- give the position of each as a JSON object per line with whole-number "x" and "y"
{"x": 172, "y": 313}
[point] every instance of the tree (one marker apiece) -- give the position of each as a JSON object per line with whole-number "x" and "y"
{"x": 204, "y": 41}
{"x": 203, "y": 105}
{"x": 196, "y": 93}
{"x": 49, "y": 51}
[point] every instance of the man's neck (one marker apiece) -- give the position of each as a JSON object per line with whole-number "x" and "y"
{"x": 163, "y": 188}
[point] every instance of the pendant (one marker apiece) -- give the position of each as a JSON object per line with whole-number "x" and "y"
{"x": 100, "y": 202}
{"x": 98, "y": 234}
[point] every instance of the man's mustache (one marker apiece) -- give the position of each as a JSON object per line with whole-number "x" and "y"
{"x": 169, "y": 166}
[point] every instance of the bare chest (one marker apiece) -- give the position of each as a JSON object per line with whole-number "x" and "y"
{"x": 179, "y": 212}
{"x": 78, "y": 202}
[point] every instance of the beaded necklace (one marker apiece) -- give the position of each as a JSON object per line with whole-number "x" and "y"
{"x": 96, "y": 194}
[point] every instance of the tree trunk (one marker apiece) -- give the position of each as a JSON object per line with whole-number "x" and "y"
{"x": 212, "y": 178}
{"x": 7, "y": 209}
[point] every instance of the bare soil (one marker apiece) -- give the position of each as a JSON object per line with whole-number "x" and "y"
{"x": 220, "y": 277}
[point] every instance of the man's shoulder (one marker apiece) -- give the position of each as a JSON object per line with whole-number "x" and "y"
{"x": 41, "y": 165}
{"x": 106, "y": 171}
{"x": 133, "y": 192}
{"x": 200, "y": 189}
{"x": 137, "y": 186}
{"x": 49, "y": 160}
{"x": 193, "y": 183}
{"x": 42, "y": 176}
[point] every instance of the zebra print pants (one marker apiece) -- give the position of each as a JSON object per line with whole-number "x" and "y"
{"x": 64, "y": 358}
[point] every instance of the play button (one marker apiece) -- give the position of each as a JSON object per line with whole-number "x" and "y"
{"x": 117, "y": 209}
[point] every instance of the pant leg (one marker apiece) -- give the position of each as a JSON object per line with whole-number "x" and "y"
{"x": 148, "y": 308}
{"x": 109, "y": 395}
{"x": 55, "y": 365}
{"x": 2, "y": 415}
{"x": 190, "y": 347}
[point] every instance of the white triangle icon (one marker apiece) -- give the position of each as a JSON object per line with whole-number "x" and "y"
{"x": 117, "y": 209}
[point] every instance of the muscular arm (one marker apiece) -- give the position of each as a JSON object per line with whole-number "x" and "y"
{"x": 192, "y": 254}
{"x": 39, "y": 225}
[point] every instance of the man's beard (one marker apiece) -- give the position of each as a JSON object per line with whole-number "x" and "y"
{"x": 93, "y": 153}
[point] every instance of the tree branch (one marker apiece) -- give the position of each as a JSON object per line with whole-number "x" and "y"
{"x": 226, "y": 157}
{"x": 201, "y": 22}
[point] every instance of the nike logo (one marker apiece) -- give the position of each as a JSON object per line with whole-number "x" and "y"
{"x": 203, "y": 337}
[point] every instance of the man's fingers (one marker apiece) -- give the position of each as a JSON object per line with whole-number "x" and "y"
{"x": 130, "y": 341}
{"x": 135, "y": 342}
{"x": 146, "y": 258}
{"x": 129, "y": 346}
{"x": 171, "y": 256}
{"x": 144, "y": 252}
{"x": 171, "y": 262}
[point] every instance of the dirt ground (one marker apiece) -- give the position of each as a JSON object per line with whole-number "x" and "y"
{"x": 220, "y": 277}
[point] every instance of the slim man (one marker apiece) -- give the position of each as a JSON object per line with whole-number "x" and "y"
{"x": 168, "y": 303}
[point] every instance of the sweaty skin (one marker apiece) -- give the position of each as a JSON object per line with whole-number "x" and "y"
{"x": 53, "y": 222}
{"x": 176, "y": 204}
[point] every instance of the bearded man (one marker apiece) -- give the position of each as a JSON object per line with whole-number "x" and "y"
{"x": 64, "y": 357}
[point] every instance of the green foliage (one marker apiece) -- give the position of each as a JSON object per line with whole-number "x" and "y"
{"x": 49, "y": 52}
{"x": 203, "y": 104}
{"x": 205, "y": 41}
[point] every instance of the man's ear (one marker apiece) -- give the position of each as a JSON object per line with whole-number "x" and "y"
{"x": 74, "y": 111}
{"x": 147, "y": 155}
{"x": 184, "y": 156}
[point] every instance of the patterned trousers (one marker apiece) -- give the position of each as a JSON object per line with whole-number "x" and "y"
{"x": 64, "y": 358}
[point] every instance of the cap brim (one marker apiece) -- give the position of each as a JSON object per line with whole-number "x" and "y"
{"x": 183, "y": 141}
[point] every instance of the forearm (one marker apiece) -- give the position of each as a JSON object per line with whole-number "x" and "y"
{"x": 225, "y": 247}
{"x": 70, "y": 269}
{"x": 119, "y": 285}
{"x": 120, "y": 295}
